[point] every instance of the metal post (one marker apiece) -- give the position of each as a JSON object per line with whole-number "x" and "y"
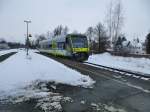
{"x": 27, "y": 40}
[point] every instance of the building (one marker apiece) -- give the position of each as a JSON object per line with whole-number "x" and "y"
{"x": 133, "y": 47}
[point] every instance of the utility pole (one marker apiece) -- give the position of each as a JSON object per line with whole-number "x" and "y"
{"x": 27, "y": 40}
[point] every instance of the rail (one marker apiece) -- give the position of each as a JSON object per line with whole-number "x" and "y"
{"x": 140, "y": 75}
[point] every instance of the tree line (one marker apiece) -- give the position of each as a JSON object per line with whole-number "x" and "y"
{"x": 101, "y": 35}
{"x": 11, "y": 45}
{"x": 104, "y": 35}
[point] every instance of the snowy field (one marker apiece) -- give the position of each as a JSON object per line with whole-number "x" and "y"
{"x": 20, "y": 70}
{"x": 127, "y": 63}
{"x": 3, "y": 52}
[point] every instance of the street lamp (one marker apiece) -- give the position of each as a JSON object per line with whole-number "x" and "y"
{"x": 27, "y": 41}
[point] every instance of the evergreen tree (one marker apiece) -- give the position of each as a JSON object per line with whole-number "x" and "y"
{"x": 118, "y": 46}
{"x": 148, "y": 43}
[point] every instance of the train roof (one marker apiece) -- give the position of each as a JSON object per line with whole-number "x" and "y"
{"x": 60, "y": 38}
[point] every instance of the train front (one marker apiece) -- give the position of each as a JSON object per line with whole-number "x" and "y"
{"x": 80, "y": 48}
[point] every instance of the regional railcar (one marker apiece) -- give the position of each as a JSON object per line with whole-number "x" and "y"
{"x": 74, "y": 46}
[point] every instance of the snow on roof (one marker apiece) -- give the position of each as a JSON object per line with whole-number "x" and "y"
{"x": 132, "y": 43}
{"x": 125, "y": 43}
{"x": 60, "y": 38}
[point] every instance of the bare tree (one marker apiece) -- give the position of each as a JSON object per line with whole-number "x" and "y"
{"x": 109, "y": 20}
{"x": 115, "y": 20}
{"x": 49, "y": 34}
{"x": 65, "y": 30}
{"x": 118, "y": 19}
{"x": 89, "y": 33}
{"x": 58, "y": 30}
{"x": 100, "y": 33}
{"x": 39, "y": 38}
{"x": 147, "y": 42}
{"x": 99, "y": 30}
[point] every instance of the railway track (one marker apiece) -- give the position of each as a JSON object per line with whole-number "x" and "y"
{"x": 107, "y": 72}
{"x": 111, "y": 69}
{"x": 111, "y": 86}
{"x": 131, "y": 55}
{"x": 131, "y": 73}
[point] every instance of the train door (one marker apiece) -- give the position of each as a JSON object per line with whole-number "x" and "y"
{"x": 68, "y": 46}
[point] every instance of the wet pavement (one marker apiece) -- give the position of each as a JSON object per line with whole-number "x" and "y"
{"x": 109, "y": 94}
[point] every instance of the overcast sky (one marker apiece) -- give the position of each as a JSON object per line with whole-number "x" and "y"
{"x": 76, "y": 14}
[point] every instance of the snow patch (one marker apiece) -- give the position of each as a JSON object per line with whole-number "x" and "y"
{"x": 18, "y": 71}
{"x": 103, "y": 107}
{"x": 112, "y": 109}
{"x": 127, "y": 63}
{"x": 45, "y": 100}
{"x": 82, "y": 102}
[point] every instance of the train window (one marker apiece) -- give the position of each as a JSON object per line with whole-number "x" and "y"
{"x": 67, "y": 40}
{"x": 64, "y": 46}
{"x": 50, "y": 46}
{"x": 40, "y": 46}
{"x": 47, "y": 46}
{"x": 61, "y": 45}
{"x": 79, "y": 42}
{"x": 44, "y": 45}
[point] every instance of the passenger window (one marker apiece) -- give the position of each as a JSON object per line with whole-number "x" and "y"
{"x": 50, "y": 46}
{"x": 61, "y": 45}
{"x": 67, "y": 40}
{"x": 64, "y": 46}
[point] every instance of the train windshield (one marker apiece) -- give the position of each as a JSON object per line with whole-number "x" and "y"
{"x": 79, "y": 42}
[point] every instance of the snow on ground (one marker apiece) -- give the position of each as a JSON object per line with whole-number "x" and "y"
{"x": 3, "y": 52}
{"x": 23, "y": 78}
{"x": 20, "y": 70}
{"x": 127, "y": 63}
{"x": 45, "y": 100}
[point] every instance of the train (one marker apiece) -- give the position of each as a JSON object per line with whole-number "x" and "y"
{"x": 73, "y": 46}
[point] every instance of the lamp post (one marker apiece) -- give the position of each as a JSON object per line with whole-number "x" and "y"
{"x": 27, "y": 40}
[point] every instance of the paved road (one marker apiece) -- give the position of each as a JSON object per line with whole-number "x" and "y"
{"x": 128, "y": 93}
